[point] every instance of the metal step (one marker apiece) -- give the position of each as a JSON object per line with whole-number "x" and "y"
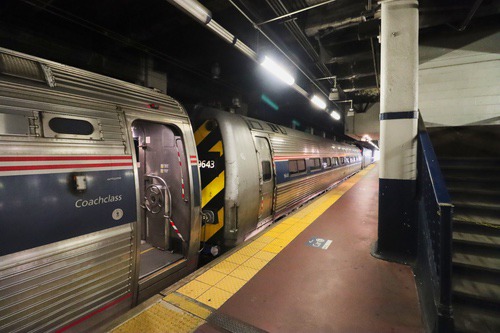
{"x": 468, "y": 190}
{"x": 482, "y": 286}
{"x": 477, "y": 203}
{"x": 468, "y": 162}
{"x": 477, "y": 237}
{"x": 476, "y": 258}
{"x": 475, "y": 319}
{"x": 470, "y": 215}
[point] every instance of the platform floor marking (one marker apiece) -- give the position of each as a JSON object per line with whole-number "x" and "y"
{"x": 161, "y": 317}
{"x": 210, "y": 287}
{"x": 187, "y": 304}
{"x": 215, "y": 297}
{"x": 193, "y": 289}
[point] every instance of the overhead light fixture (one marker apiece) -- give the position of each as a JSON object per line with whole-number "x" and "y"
{"x": 194, "y": 8}
{"x": 318, "y": 102}
{"x": 277, "y": 71}
{"x": 334, "y": 92}
{"x": 335, "y": 115}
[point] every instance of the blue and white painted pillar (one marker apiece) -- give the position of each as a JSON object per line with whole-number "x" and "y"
{"x": 397, "y": 231}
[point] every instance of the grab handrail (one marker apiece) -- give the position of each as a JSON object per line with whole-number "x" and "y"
{"x": 434, "y": 261}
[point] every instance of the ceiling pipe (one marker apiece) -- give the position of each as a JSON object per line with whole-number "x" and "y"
{"x": 471, "y": 13}
{"x": 296, "y": 12}
{"x": 201, "y": 14}
{"x": 280, "y": 9}
{"x": 278, "y": 48}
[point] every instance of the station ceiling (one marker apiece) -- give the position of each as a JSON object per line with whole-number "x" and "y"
{"x": 335, "y": 39}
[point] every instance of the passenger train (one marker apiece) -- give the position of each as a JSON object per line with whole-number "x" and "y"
{"x": 101, "y": 196}
{"x": 254, "y": 172}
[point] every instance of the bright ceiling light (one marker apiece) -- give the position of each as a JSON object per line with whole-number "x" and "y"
{"x": 318, "y": 102}
{"x": 277, "y": 71}
{"x": 335, "y": 115}
{"x": 194, "y": 8}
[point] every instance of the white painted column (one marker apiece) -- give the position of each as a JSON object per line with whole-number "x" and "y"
{"x": 398, "y": 129}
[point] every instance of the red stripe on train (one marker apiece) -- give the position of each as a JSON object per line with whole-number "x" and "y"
{"x": 62, "y": 158}
{"x": 61, "y": 166}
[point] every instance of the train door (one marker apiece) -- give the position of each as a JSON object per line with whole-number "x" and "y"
{"x": 165, "y": 214}
{"x": 266, "y": 179}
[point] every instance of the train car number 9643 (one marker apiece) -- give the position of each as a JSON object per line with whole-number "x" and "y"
{"x": 209, "y": 164}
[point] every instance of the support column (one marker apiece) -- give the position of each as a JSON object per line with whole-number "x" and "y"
{"x": 397, "y": 231}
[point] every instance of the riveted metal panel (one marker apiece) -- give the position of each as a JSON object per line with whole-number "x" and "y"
{"x": 68, "y": 282}
{"x": 43, "y": 288}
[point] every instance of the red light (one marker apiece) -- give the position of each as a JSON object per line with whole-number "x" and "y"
{"x": 153, "y": 106}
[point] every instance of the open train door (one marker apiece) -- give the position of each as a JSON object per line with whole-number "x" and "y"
{"x": 266, "y": 179}
{"x": 165, "y": 215}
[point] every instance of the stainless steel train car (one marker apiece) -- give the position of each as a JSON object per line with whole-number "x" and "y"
{"x": 253, "y": 172}
{"x": 99, "y": 195}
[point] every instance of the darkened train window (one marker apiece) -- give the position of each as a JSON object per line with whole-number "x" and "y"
{"x": 296, "y": 166}
{"x": 256, "y": 125}
{"x": 335, "y": 161}
{"x": 266, "y": 171}
{"x": 71, "y": 126}
{"x": 327, "y": 162}
{"x": 282, "y": 129}
{"x": 274, "y": 128}
{"x": 342, "y": 161}
{"x": 314, "y": 163}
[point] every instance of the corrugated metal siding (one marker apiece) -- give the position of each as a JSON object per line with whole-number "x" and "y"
{"x": 43, "y": 288}
{"x": 292, "y": 193}
{"x": 80, "y": 82}
{"x": 301, "y": 145}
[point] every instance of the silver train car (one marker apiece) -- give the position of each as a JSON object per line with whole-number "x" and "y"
{"x": 254, "y": 172}
{"x": 99, "y": 195}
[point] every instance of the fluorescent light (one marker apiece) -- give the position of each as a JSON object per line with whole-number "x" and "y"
{"x": 318, "y": 102}
{"x": 193, "y": 7}
{"x": 335, "y": 115}
{"x": 277, "y": 71}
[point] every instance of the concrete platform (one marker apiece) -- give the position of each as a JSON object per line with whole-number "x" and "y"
{"x": 311, "y": 272}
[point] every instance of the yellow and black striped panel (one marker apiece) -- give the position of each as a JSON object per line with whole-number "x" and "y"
{"x": 211, "y": 164}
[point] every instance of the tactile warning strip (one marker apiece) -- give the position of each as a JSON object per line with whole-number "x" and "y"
{"x": 189, "y": 303}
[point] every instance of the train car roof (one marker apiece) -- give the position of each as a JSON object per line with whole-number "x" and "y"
{"x": 279, "y": 130}
{"x": 17, "y": 67}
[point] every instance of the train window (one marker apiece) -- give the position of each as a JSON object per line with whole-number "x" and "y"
{"x": 266, "y": 171}
{"x": 335, "y": 161}
{"x": 296, "y": 166}
{"x": 69, "y": 127}
{"x": 274, "y": 128}
{"x": 314, "y": 164}
{"x": 327, "y": 162}
{"x": 256, "y": 125}
{"x": 282, "y": 129}
{"x": 341, "y": 160}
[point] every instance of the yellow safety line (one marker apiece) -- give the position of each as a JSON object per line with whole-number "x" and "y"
{"x": 211, "y": 287}
{"x": 147, "y": 250}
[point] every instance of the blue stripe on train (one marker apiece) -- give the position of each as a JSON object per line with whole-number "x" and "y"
{"x": 283, "y": 176}
{"x": 41, "y": 209}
